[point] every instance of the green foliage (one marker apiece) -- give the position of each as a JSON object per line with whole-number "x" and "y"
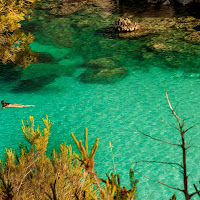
{"x": 14, "y": 43}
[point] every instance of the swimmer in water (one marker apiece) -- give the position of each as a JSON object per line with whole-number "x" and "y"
{"x": 4, "y": 104}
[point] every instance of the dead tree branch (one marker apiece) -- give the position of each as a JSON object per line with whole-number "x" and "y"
{"x": 184, "y": 152}
{"x": 159, "y": 182}
{"x": 191, "y": 127}
{"x": 158, "y": 139}
{"x": 179, "y": 122}
{"x": 197, "y": 192}
{"x": 161, "y": 162}
{"x": 170, "y": 124}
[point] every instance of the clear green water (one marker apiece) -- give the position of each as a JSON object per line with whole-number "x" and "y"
{"x": 110, "y": 111}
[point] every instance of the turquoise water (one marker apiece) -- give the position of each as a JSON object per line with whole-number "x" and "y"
{"x": 110, "y": 108}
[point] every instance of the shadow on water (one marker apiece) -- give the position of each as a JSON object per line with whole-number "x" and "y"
{"x": 34, "y": 84}
{"x": 107, "y": 32}
{"x": 29, "y": 27}
{"x": 8, "y": 73}
{"x": 45, "y": 58}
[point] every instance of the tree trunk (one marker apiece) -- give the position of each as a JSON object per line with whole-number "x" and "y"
{"x": 187, "y": 196}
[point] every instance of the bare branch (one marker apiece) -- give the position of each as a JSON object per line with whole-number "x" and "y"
{"x": 187, "y": 119}
{"x": 176, "y": 105}
{"x": 188, "y": 146}
{"x": 157, "y": 138}
{"x": 197, "y": 192}
{"x": 170, "y": 124}
{"x": 181, "y": 171}
{"x": 196, "y": 188}
{"x": 160, "y": 182}
{"x": 173, "y": 109}
{"x": 191, "y": 127}
{"x": 162, "y": 162}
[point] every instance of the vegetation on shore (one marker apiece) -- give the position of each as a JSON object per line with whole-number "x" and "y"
{"x": 14, "y": 43}
{"x": 64, "y": 175}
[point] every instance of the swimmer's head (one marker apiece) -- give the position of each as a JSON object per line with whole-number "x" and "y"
{"x": 2, "y": 102}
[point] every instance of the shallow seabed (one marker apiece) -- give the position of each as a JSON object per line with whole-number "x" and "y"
{"x": 111, "y": 110}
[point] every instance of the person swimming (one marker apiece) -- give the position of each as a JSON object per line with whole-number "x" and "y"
{"x": 4, "y": 104}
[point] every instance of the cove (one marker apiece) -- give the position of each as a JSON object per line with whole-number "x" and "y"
{"x": 111, "y": 102}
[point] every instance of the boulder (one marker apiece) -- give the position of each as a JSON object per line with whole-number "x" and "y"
{"x": 125, "y": 25}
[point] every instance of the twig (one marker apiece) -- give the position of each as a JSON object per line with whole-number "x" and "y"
{"x": 169, "y": 124}
{"x": 197, "y": 192}
{"x": 26, "y": 174}
{"x": 187, "y": 119}
{"x": 191, "y": 127}
{"x": 180, "y": 125}
{"x": 110, "y": 145}
{"x": 196, "y": 189}
{"x": 158, "y": 139}
{"x": 162, "y": 162}
{"x": 160, "y": 182}
{"x": 176, "y": 105}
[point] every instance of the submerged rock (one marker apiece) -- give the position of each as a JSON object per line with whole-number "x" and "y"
{"x": 64, "y": 7}
{"x": 102, "y": 70}
{"x": 48, "y": 6}
{"x": 161, "y": 46}
{"x": 194, "y": 37}
{"x": 188, "y": 23}
{"x": 143, "y": 31}
{"x": 103, "y": 76}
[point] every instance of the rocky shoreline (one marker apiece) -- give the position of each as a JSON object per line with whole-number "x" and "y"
{"x": 163, "y": 29}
